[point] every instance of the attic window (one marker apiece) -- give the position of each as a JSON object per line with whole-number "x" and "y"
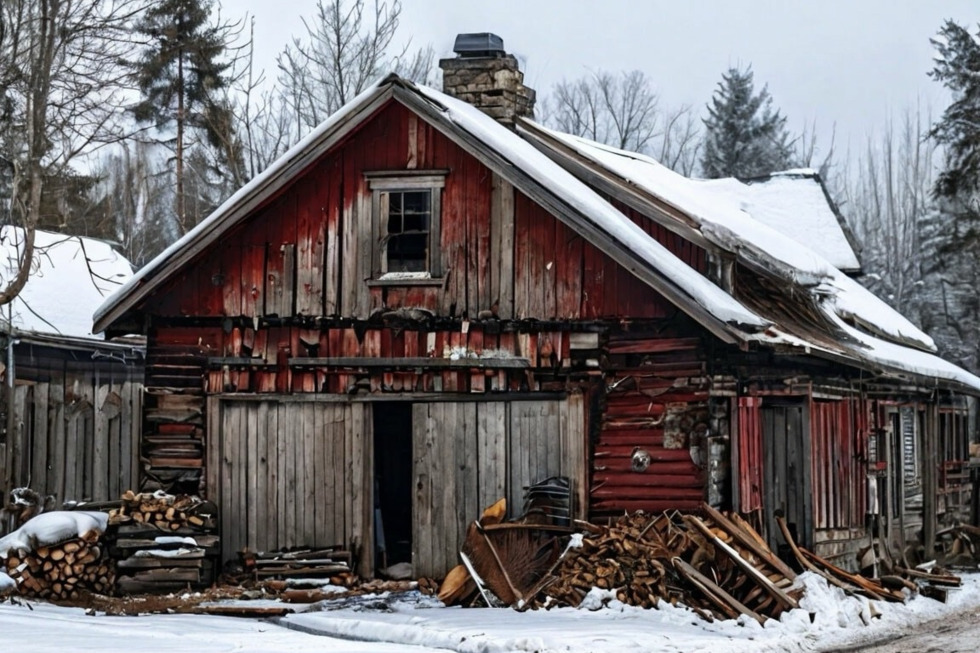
{"x": 409, "y": 227}
{"x": 406, "y": 210}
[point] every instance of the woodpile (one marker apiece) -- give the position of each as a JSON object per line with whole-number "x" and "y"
{"x": 62, "y": 571}
{"x": 163, "y": 543}
{"x": 331, "y": 562}
{"x": 716, "y": 564}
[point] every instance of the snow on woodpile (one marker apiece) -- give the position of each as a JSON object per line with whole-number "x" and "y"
{"x": 70, "y": 276}
{"x": 51, "y": 528}
{"x": 725, "y": 218}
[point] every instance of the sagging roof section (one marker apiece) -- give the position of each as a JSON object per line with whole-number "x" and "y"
{"x": 862, "y": 328}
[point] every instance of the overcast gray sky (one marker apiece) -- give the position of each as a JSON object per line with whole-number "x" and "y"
{"x": 850, "y": 63}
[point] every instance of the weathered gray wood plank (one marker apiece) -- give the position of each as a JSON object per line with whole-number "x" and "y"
{"x": 40, "y": 480}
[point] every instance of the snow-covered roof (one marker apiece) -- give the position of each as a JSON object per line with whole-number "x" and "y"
{"x": 729, "y": 215}
{"x": 617, "y": 234}
{"x": 725, "y": 213}
{"x": 70, "y": 277}
{"x": 795, "y": 204}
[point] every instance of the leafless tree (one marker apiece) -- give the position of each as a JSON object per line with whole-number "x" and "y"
{"x": 887, "y": 199}
{"x": 133, "y": 197}
{"x": 61, "y": 86}
{"x": 622, "y": 110}
{"x": 348, "y": 44}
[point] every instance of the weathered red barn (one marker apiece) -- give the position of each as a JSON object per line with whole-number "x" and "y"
{"x": 421, "y": 308}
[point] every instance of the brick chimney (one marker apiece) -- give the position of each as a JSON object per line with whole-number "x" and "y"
{"x": 487, "y": 77}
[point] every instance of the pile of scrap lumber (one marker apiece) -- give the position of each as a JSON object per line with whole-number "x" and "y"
{"x": 298, "y": 591}
{"x": 960, "y": 545}
{"x": 163, "y": 542}
{"x": 64, "y": 570}
{"x": 715, "y": 563}
{"x": 329, "y": 562}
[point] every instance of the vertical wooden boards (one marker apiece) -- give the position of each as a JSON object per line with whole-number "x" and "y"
{"x": 307, "y": 501}
{"x": 332, "y": 211}
{"x": 425, "y": 463}
{"x": 350, "y": 223}
{"x": 447, "y": 469}
{"x": 273, "y": 520}
{"x": 40, "y": 477}
{"x": 310, "y": 245}
{"x": 463, "y": 505}
{"x": 362, "y": 486}
{"x": 573, "y": 429}
{"x": 522, "y": 258}
{"x": 58, "y": 436}
{"x": 100, "y": 445}
{"x": 534, "y": 447}
{"x": 502, "y": 247}
{"x": 250, "y": 491}
{"x": 252, "y": 279}
{"x": 491, "y": 439}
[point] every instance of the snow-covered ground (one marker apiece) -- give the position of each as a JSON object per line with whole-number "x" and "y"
{"x": 421, "y": 624}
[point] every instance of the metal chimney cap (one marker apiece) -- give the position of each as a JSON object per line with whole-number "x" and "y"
{"x": 479, "y": 44}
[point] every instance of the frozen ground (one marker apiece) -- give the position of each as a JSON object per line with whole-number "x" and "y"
{"x": 415, "y": 623}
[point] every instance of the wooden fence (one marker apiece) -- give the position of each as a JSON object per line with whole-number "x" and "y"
{"x": 75, "y": 437}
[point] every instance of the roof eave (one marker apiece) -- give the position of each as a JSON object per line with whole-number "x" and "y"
{"x": 237, "y": 208}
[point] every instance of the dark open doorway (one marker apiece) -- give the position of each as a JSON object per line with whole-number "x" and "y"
{"x": 393, "y": 483}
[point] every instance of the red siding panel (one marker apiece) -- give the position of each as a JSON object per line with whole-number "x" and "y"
{"x": 750, "y": 460}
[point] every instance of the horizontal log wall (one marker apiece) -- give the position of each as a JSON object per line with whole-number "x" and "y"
{"x": 658, "y": 402}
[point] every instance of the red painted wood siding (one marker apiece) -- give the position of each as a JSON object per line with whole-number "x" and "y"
{"x": 657, "y": 393}
{"x": 308, "y": 251}
{"x": 750, "y": 461}
{"x": 839, "y": 438}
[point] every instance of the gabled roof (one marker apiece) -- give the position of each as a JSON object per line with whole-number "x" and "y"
{"x": 70, "y": 277}
{"x": 502, "y": 151}
{"x": 559, "y": 172}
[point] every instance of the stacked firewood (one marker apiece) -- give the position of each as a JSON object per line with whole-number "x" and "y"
{"x": 163, "y": 542}
{"x": 330, "y": 562}
{"x": 631, "y": 557}
{"x": 62, "y": 571}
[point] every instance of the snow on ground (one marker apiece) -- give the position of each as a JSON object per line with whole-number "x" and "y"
{"x": 413, "y": 623}
{"x": 50, "y": 629}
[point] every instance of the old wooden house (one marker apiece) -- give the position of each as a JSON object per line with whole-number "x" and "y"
{"x": 432, "y": 302}
{"x": 71, "y": 401}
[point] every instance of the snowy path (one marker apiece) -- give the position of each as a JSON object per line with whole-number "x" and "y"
{"x": 50, "y": 629}
{"x": 422, "y": 625}
{"x": 956, "y": 633}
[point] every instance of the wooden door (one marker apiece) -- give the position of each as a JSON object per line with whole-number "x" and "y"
{"x": 786, "y": 483}
{"x": 467, "y": 455}
{"x": 288, "y": 473}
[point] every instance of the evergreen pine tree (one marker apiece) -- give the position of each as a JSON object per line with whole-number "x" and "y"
{"x": 957, "y": 67}
{"x": 744, "y": 136}
{"x": 179, "y": 75}
{"x": 957, "y": 189}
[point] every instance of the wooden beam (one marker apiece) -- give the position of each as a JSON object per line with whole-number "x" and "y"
{"x": 412, "y": 363}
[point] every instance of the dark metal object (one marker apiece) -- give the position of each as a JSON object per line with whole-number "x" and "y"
{"x": 479, "y": 44}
